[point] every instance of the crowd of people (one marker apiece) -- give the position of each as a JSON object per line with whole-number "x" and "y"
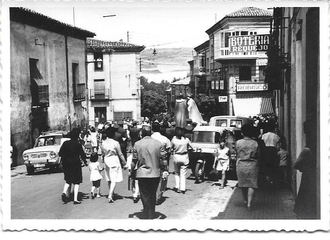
{"x": 145, "y": 149}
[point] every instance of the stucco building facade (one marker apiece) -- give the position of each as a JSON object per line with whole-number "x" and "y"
{"x": 114, "y": 90}
{"x": 294, "y": 77}
{"x": 230, "y": 66}
{"x": 47, "y": 76}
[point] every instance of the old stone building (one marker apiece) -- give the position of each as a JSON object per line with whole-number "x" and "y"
{"x": 47, "y": 76}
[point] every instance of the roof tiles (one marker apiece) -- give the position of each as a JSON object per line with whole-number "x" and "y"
{"x": 250, "y": 12}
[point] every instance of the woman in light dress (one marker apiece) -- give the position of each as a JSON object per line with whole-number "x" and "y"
{"x": 114, "y": 160}
{"x": 180, "y": 145}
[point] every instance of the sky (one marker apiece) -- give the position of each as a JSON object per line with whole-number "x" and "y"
{"x": 152, "y": 23}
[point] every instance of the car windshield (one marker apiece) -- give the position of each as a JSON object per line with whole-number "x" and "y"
{"x": 206, "y": 137}
{"x": 221, "y": 122}
{"x": 48, "y": 141}
{"x": 236, "y": 123}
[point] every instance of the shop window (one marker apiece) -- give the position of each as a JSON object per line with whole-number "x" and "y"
{"x": 245, "y": 73}
{"x": 118, "y": 116}
{"x": 98, "y": 61}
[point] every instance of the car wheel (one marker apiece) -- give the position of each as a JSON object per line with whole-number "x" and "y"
{"x": 30, "y": 170}
{"x": 199, "y": 171}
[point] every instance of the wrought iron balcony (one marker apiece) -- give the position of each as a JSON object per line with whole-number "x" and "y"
{"x": 99, "y": 94}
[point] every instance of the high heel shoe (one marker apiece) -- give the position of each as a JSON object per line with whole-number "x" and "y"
{"x": 110, "y": 200}
{"x": 76, "y": 202}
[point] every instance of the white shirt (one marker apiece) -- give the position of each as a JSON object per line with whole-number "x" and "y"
{"x": 164, "y": 140}
{"x": 94, "y": 167}
{"x": 270, "y": 139}
{"x": 223, "y": 154}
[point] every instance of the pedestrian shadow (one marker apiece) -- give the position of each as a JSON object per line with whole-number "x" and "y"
{"x": 140, "y": 215}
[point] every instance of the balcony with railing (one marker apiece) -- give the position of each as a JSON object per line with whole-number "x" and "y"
{"x": 79, "y": 93}
{"x": 99, "y": 94}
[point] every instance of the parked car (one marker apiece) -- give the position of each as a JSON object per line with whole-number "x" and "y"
{"x": 229, "y": 121}
{"x": 205, "y": 143}
{"x": 44, "y": 154}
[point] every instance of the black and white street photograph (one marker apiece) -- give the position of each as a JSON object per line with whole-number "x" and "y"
{"x": 193, "y": 114}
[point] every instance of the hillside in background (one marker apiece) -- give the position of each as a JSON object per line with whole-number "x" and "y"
{"x": 166, "y": 64}
{"x": 166, "y": 59}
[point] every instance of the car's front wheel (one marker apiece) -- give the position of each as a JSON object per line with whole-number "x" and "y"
{"x": 199, "y": 171}
{"x": 30, "y": 170}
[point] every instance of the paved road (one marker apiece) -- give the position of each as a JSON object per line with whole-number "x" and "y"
{"x": 38, "y": 197}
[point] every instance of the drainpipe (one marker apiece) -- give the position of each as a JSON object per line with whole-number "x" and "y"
{"x": 67, "y": 80}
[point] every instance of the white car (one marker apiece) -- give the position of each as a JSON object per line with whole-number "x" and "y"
{"x": 44, "y": 154}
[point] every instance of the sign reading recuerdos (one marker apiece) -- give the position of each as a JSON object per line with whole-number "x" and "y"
{"x": 248, "y": 43}
{"x": 246, "y": 87}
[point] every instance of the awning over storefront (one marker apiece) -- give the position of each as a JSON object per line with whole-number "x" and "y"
{"x": 247, "y": 107}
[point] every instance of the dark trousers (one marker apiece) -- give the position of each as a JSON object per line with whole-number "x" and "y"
{"x": 148, "y": 188}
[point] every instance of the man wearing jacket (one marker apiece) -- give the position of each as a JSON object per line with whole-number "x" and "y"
{"x": 150, "y": 158}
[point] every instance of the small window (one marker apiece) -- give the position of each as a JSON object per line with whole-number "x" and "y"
{"x": 243, "y": 33}
{"x": 217, "y": 85}
{"x": 212, "y": 85}
{"x": 222, "y": 84}
{"x": 237, "y": 33}
{"x": 251, "y": 33}
{"x": 98, "y": 61}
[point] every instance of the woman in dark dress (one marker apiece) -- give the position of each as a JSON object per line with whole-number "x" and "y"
{"x": 71, "y": 153}
{"x": 247, "y": 164}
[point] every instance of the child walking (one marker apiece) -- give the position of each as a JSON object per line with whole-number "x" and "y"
{"x": 95, "y": 177}
{"x": 222, "y": 162}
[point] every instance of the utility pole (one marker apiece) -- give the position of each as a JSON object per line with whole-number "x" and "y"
{"x": 74, "y": 17}
{"x": 128, "y": 36}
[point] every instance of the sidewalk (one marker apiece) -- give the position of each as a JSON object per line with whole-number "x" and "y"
{"x": 268, "y": 203}
{"x": 18, "y": 170}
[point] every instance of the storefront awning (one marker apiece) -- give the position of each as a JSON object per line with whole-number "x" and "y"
{"x": 247, "y": 107}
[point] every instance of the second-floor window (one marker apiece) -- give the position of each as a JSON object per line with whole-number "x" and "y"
{"x": 98, "y": 61}
{"x": 99, "y": 88}
{"x": 39, "y": 86}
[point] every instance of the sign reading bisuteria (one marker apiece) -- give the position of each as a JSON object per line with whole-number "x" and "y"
{"x": 248, "y": 43}
{"x": 247, "y": 87}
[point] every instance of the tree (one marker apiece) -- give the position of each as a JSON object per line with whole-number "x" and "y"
{"x": 154, "y": 97}
{"x": 152, "y": 103}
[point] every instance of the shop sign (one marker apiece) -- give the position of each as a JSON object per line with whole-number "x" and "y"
{"x": 261, "y": 62}
{"x": 247, "y": 87}
{"x": 223, "y": 98}
{"x": 248, "y": 43}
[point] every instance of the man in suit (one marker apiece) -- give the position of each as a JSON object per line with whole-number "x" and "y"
{"x": 167, "y": 145}
{"x": 149, "y": 156}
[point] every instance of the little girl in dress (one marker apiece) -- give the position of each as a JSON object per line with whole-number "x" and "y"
{"x": 95, "y": 175}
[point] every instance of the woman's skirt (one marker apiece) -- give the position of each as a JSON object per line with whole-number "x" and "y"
{"x": 247, "y": 173}
{"x": 73, "y": 173}
{"x": 113, "y": 170}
